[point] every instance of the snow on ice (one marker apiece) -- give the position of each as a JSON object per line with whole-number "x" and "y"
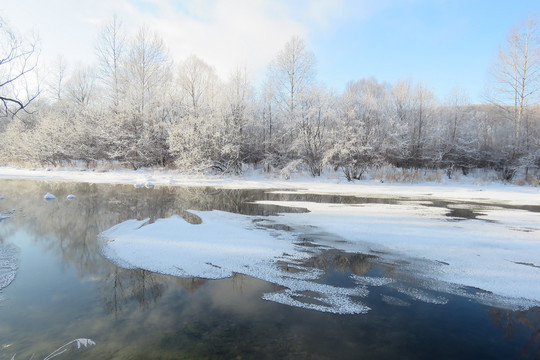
{"x": 497, "y": 253}
{"x": 223, "y": 244}
{"x": 493, "y": 255}
{"x": 49, "y": 196}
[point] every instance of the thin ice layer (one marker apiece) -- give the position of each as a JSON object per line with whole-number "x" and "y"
{"x": 9, "y": 264}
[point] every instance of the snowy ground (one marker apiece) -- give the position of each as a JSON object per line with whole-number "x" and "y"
{"x": 467, "y": 188}
{"x": 493, "y": 259}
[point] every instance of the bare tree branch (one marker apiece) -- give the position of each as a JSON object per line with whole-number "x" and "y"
{"x": 18, "y": 59}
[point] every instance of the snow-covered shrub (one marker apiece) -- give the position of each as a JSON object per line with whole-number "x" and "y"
{"x": 291, "y": 168}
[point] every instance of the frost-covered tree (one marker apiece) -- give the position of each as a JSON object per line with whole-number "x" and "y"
{"x": 17, "y": 143}
{"x": 111, "y": 51}
{"x": 517, "y": 76}
{"x": 516, "y": 91}
{"x": 141, "y": 134}
{"x": 454, "y": 138}
{"x": 199, "y": 86}
{"x": 147, "y": 69}
{"x": 412, "y": 111}
{"x": 359, "y": 135}
{"x": 423, "y": 102}
{"x": 311, "y": 142}
{"x": 293, "y": 75}
{"x": 236, "y": 116}
{"x": 401, "y": 114}
{"x": 193, "y": 137}
{"x": 294, "y": 72}
{"x": 57, "y": 79}
{"x": 81, "y": 87}
{"x": 267, "y": 114}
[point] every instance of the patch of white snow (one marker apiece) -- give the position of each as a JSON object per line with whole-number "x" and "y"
{"x": 224, "y": 244}
{"x": 499, "y": 253}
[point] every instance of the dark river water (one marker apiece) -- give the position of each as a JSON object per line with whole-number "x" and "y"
{"x": 65, "y": 289}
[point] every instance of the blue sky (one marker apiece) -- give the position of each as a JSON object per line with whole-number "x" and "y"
{"x": 442, "y": 43}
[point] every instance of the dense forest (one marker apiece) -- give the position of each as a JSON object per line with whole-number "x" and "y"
{"x": 136, "y": 107}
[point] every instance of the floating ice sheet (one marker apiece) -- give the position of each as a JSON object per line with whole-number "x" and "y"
{"x": 224, "y": 244}
{"x": 498, "y": 256}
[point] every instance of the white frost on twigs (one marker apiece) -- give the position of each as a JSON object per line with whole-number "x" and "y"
{"x": 81, "y": 341}
{"x": 84, "y": 342}
{"x": 62, "y": 349}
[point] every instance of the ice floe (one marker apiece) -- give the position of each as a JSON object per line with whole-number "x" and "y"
{"x": 498, "y": 254}
{"x": 224, "y": 244}
{"x": 49, "y": 196}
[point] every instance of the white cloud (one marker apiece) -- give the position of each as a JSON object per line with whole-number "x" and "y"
{"x": 226, "y": 34}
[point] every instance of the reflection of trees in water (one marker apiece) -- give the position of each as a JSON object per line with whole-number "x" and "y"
{"x": 514, "y": 322}
{"x": 7, "y": 229}
{"x": 113, "y": 289}
{"x": 121, "y": 286}
{"x": 70, "y": 228}
{"x": 355, "y": 263}
{"x": 146, "y": 287}
{"x": 191, "y": 285}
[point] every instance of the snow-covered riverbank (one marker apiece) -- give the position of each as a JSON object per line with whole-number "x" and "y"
{"x": 466, "y": 188}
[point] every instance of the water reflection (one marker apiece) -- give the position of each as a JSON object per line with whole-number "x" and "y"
{"x": 513, "y": 322}
{"x": 66, "y": 289}
{"x": 121, "y": 286}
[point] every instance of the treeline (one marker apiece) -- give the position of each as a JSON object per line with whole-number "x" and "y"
{"x": 137, "y": 107}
